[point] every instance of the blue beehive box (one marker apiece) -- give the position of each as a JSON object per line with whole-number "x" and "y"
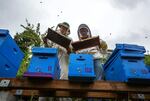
{"x": 10, "y": 55}
{"x": 126, "y": 64}
{"x": 81, "y": 68}
{"x": 44, "y": 63}
{"x": 148, "y": 67}
{"x": 7, "y": 69}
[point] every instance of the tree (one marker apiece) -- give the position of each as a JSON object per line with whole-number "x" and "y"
{"x": 147, "y": 60}
{"x": 28, "y": 38}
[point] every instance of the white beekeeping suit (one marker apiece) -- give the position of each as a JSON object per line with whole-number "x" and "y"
{"x": 62, "y": 52}
{"x": 63, "y": 57}
{"x": 98, "y": 53}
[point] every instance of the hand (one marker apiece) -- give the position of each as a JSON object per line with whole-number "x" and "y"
{"x": 45, "y": 41}
{"x": 68, "y": 50}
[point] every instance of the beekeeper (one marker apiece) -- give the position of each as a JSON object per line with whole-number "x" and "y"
{"x": 63, "y": 29}
{"x": 98, "y": 52}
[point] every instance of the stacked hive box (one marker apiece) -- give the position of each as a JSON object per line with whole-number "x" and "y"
{"x": 81, "y": 68}
{"x": 148, "y": 67}
{"x": 10, "y": 55}
{"x": 126, "y": 64}
{"x": 44, "y": 63}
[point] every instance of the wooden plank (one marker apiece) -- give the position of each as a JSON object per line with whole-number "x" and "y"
{"x": 37, "y": 93}
{"x": 64, "y": 85}
{"x": 103, "y": 95}
{"x": 140, "y": 96}
{"x": 87, "y": 43}
{"x": 58, "y": 38}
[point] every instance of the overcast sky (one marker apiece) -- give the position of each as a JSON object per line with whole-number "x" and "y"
{"x": 115, "y": 21}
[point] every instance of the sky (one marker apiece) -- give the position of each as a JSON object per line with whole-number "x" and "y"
{"x": 115, "y": 21}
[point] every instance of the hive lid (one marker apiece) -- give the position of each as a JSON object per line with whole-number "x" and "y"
{"x": 133, "y": 55}
{"x": 130, "y": 47}
{"x": 40, "y": 50}
{"x": 137, "y": 51}
{"x": 4, "y": 32}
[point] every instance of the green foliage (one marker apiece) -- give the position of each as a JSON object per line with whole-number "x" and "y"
{"x": 28, "y": 38}
{"x": 24, "y": 64}
{"x": 147, "y": 60}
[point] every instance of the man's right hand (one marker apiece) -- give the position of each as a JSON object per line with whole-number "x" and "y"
{"x": 45, "y": 41}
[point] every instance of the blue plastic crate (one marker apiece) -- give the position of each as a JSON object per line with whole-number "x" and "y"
{"x": 44, "y": 63}
{"x": 10, "y": 54}
{"x": 126, "y": 64}
{"x": 81, "y": 68}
